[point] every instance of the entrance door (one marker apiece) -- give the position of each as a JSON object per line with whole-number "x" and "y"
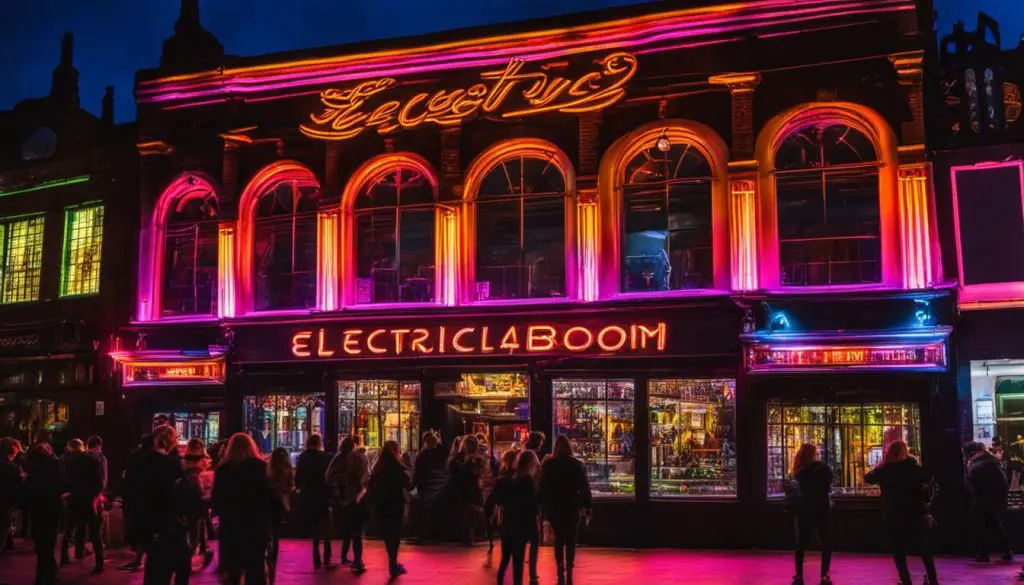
{"x": 505, "y": 435}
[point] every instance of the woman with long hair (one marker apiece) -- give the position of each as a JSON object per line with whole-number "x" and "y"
{"x": 906, "y": 492}
{"x": 814, "y": 480}
{"x": 314, "y": 507}
{"x": 388, "y": 486}
{"x": 357, "y": 475}
{"x": 507, "y": 469}
{"x": 336, "y": 488}
{"x": 249, "y": 507}
{"x": 564, "y": 493}
{"x": 282, "y": 477}
{"x": 517, "y": 498}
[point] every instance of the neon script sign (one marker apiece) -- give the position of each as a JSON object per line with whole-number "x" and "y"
{"x": 326, "y": 343}
{"x": 348, "y": 112}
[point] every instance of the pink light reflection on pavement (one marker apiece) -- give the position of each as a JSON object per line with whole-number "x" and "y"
{"x": 456, "y": 565}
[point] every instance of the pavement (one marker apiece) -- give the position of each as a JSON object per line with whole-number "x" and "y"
{"x": 456, "y": 565}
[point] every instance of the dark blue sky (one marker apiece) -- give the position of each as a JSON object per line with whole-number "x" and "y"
{"x": 114, "y": 38}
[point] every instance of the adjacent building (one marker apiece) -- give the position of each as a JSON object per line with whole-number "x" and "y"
{"x": 691, "y": 238}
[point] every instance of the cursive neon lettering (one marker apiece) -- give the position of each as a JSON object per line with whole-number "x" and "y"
{"x": 345, "y": 111}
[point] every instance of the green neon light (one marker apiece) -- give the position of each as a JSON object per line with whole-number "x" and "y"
{"x": 47, "y": 185}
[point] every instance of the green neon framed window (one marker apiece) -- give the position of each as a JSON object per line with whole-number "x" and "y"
{"x": 83, "y": 247}
{"x": 22, "y": 240}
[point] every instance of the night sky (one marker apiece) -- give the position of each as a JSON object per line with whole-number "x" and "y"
{"x": 114, "y": 38}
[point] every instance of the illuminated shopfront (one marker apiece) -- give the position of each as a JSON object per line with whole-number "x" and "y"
{"x": 204, "y": 426}
{"x": 579, "y": 231}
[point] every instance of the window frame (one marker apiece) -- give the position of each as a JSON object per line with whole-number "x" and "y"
{"x": 65, "y": 265}
{"x": 5, "y": 251}
{"x": 417, "y": 401}
{"x": 295, "y": 217}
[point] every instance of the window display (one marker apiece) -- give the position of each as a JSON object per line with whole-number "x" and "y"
{"x": 597, "y": 416}
{"x": 204, "y": 426}
{"x": 850, "y": 437}
{"x": 284, "y": 420}
{"x": 494, "y": 404}
{"x": 48, "y": 415}
{"x": 693, "y": 437}
{"x": 380, "y": 410}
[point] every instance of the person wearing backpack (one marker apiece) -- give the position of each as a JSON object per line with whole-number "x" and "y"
{"x": 809, "y": 499}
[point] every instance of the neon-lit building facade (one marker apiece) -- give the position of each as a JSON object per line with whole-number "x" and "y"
{"x": 577, "y": 230}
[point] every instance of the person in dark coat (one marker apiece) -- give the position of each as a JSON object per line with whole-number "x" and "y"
{"x": 429, "y": 476}
{"x": 535, "y": 442}
{"x": 389, "y": 483}
{"x": 357, "y": 476}
{"x": 564, "y": 493}
{"x": 813, "y": 479}
{"x": 86, "y": 479}
{"x": 336, "y": 489}
{"x": 45, "y": 486}
{"x": 164, "y": 535}
{"x": 131, "y": 481}
{"x": 989, "y": 490}
{"x": 10, "y": 488}
{"x": 905, "y": 497}
{"x": 249, "y": 507}
{"x": 314, "y": 504}
{"x": 516, "y": 498}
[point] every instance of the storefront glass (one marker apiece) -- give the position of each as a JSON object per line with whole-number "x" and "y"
{"x": 496, "y": 405}
{"x": 693, "y": 437}
{"x": 284, "y": 420}
{"x": 850, "y": 437}
{"x": 49, "y": 415}
{"x": 597, "y": 416}
{"x": 204, "y": 426}
{"x": 379, "y": 411}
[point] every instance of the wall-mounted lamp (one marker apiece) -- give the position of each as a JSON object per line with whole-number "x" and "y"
{"x": 663, "y": 144}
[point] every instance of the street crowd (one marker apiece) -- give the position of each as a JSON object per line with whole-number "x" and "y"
{"x": 173, "y": 493}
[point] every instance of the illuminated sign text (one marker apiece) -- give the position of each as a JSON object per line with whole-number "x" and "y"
{"x": 343, "y": 342}
{"x": 348, "y": 112}
{"x": 783, "y": 358}
{"x": 150, "y": 373}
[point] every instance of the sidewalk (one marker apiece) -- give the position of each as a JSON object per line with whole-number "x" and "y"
{"x": 453, "y": 565}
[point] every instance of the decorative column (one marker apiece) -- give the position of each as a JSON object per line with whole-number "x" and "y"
{"x": 587, "y": 230}
{"x": 743, "y": 227}
{"x": 327, "y": 228}
{"x": 226, "y": 269}
{"x": 909, "y": 68}
{"x": 451, "y": 222}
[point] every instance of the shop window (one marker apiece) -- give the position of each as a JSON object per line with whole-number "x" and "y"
{"x": 204, "y": 426}
{"x": 380, "y": 411}
{"x": 520, "y": 230}
{"x": 851, "y": 438}
{"x": 693, "y": 437}
{"x": 597, "y": 416}
{"x": 22, "y": 249}
{"x": 45, "y": 415}
{"x": 190, "y": 257}
{"x": 394, "y": 229}
{"x": 284, "y": 420}
{"x": 284, "y": 247}
{"x": 667, "y": 240}
{"x": 827, "y": 192}
{"x": 83, "y": 251}
{"x": 495, "y": 404}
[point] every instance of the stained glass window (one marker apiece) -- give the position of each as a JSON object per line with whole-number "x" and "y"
{"x": 520, "y": 230}
{"x": 826, "y": 183}
{"x": 284, "y": 420}
{"x": 667, "y": 221}
{"x": 22, "y": 259}
{"x": 851, "y": 439}
{"x": 597, "y": 416}
{"x": 693, "y": 437}
{"x": 83, "y": 251}
{"x": 395, "y": 223}
{"x": 380, "y": 411}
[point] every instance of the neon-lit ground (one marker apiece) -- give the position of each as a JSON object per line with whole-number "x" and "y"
{"x": 450, "y": 565}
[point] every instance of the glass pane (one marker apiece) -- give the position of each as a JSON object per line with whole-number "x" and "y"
{"x": 544, "y": 247}
{"x": 284, "y": 248}
{"x": 284, "y": 420}
{"x": 83, "y": 247}
{"x": 416, "y": 258}
{"x": 499, "y": 257}
{"x": 824, "y": 145}
{"x": 600, "y": 430}
{"x": 23, "y": 260}
{"x": 190, "y": 269}
{"x": 693, "y": 437}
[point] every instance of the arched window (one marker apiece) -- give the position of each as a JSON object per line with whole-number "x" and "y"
{"x": 189, "y": 280}
{"x": 827, "y": 199}
{"x": 521, "y": 229}
{"x": 667, "y": 220}
{"x": 394, "y": 223}
{"x": 284, "y": 261}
